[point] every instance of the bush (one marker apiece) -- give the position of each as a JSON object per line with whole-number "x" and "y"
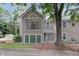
{"x": 17, "y": 38}
{"x": 1, "y": 36}
{"x": 9, "y": 35}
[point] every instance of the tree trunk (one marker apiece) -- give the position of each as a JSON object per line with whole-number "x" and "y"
{"x": 58, "y": 32}
{"x": 58, "y": 17}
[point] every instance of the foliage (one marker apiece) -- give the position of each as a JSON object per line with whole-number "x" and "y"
{"x": 3, "y": 27}
{"x": 2, "y": 10}
{"x": 1, "y": 36}
{"x": 72, "y": 11}
{"x": 17, "y": 38}
{"x": 3, "y": 20}
{"x": 14, "y": 14}
{"x": 11, "y": 27}
{"x": 54, "y": 11}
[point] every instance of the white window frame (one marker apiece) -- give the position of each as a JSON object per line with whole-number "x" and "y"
{"x": 62, "y": 35}
{"x": 35, "y": 37}
{"x": 29, "y": 25}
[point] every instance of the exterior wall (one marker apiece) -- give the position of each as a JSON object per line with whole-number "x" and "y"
{"x": 72, "y": 31}
{"x": 49, "y": 28}
{"x": 50, "y": 31}
{"x": 49, "y": 37}
{"x": 31, "y": 32}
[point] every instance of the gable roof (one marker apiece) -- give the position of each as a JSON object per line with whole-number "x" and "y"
{"x": 30, "y": 10}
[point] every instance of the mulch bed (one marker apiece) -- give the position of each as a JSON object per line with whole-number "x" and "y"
{"x": 50, "y": 46}
{"x": 73, "y": 47}
{"x": 45, "y": 46}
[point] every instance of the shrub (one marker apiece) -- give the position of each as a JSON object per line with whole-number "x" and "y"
{"x": 17, "y": 38}
{"x": 1, "y": 36}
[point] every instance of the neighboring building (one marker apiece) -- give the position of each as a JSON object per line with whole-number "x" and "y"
{"x": 70, "y": 31}
{"x": 34, "y": 28}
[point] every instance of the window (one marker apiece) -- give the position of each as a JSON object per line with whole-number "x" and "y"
{"x": 32, "y": 39}
{"x": 38, "y": 38}
{"x": 64, "y": 24}
{"x": 47, "y": 25}
{"x": 73, "y": 24}
{"x": 27, "y": 38}
{"x": 64, "y": 36}
{"x": 44, "y": 36}
{"x": 33, "y": 24}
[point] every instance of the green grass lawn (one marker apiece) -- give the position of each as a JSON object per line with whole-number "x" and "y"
{"x": 15, "y": 46}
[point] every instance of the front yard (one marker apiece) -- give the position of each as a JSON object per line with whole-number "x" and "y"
{"x": 15, "y": 46}
{"x": 46, "y": 46}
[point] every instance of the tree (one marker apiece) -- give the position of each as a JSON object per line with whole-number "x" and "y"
{"x": 58, "y": 16}
{"x": 72, "y": 12}
{"x": 14, "y": 14}
{"x": 10, "y": 16}
{"x": 3, "y": 27}
{"x": 3, "y": 24}
{"x": 55, "y": 12}
{"x": 2, "y": 10}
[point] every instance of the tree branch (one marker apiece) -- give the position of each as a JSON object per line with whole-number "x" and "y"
{"x": 55, "y": 5}
{"x": 61, "y": 8}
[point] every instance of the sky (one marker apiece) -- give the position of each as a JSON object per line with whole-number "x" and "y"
{"x": 8, "y": 6}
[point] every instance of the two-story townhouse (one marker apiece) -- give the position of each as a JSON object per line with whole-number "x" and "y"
{"x": 34, "y": 28}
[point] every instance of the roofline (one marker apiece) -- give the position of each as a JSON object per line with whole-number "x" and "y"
{"x": 28, "y": 10}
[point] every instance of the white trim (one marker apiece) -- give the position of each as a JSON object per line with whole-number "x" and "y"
{"x": 29, "y": 39}
{"x": 23, "y": 39}
{"x": 36, "y": 39}
{"x": 32, "y": 18}
{"x": 29, "y": 24}
{"x": 62, "y": 35}
{"x": 41, "y": 39}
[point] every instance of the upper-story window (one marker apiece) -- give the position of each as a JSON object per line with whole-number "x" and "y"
{"x": 33, "y": 24}
{"x": 64, "y": 24}
{"x": 73, "y": 24}
{"x": 47, "y": 25}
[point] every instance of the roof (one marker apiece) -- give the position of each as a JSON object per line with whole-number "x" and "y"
{"x": 64, "y": 18}
{"x": 30, "y": 10}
